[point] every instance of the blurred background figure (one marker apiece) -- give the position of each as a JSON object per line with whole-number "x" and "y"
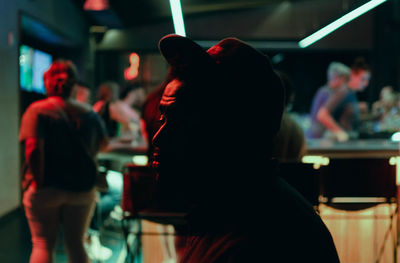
{"x": 360, "y": 75}
{"x": 108, "y": 93}
{"x": 339, "y": 117}
{"x": 81, "y": 92}
{"x": 348, "y": 108}
{"x": 290, "y": 144}
{"x": 59, "y": 187}
{"x": 386, "y": 111}
{"x": 324, "y": 103}
{"x": 384, "y": 104}
{"x": 124, "y": 125}
{"x": 127, "y": 112}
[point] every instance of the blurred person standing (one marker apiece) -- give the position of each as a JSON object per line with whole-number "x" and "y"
{"x": 381, "y": 106}
{"x": 61, "y": 138}
{"x": 360, "y": 75}
{"x": 345, "y": 106}
{"x": 387, "y": 112}
{"x": 108, "y": 93}
{"x": 324, "y": 102}
{"x": 127, "y": 112}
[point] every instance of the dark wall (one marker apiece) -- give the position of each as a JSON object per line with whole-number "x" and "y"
{"x": 386, "y": 51}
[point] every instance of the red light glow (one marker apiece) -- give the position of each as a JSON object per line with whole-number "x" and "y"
{"x": 133, "y": 70}
{"x": 96, "y": 5}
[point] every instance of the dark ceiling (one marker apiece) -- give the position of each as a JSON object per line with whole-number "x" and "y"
{"x": 129, "y": 13}
{"x": 251, "y": 20}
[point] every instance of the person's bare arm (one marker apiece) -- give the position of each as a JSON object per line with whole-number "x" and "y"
{"x": 118, "y": 114}
{"x": 34, "y": 156}
{"x": 325, "y": 117}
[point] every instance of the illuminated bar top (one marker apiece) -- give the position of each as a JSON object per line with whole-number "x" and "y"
{"x": 363, "y": 148}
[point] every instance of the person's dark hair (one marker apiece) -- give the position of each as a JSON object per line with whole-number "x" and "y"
{"x": 360, "y": 65}
{"x": 60, "y": 78}
{"x": 128, "y": 88}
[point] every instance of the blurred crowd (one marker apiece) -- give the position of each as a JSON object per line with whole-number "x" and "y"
{"x": 338, "y": 114}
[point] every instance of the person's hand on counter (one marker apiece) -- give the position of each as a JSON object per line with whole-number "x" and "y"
{"x": 338, "y": 135}
{"x": 341, "y": 136}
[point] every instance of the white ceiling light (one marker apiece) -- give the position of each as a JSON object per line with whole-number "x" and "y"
{"x": 339, "y": 22}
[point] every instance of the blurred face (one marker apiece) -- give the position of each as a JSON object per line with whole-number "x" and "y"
{"x": 359, "y": 80}
{"x": 338, "y": 81}
{"x": 52, "y": 80}
{"x": 82, "y": 94}
{"x": 385, "y": 92}
{"x": 389, "y": 100}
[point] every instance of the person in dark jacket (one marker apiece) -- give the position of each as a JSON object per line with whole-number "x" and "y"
{"x": 219, "y": 170}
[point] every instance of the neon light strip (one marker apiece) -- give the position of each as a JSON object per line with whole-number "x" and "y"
{"x": 339, "y": 22}
{"x": 177, "y": 17}
{"x": 358, "y": 199}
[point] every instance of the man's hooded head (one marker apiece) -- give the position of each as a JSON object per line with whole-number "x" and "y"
{"x": 222, "y": 109}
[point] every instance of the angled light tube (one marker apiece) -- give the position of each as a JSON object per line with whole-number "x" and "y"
{"x": 339, "y": 22}
{"x": 177, "y": 17}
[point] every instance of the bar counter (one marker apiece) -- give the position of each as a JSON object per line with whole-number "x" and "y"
{"x": 363, "y": 148}
{"x": 119, "y": 153}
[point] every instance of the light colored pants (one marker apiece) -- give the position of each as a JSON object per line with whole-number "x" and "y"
{"x": 48, "y": 208}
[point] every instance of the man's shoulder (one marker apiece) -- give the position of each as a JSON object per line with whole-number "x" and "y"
{"x": 322, "y": 93}
{"x": 324, "y": 90}
{"x": 39, "y": 104}
{"x": 43, "y": 106}
{"x": 79, "y": 106}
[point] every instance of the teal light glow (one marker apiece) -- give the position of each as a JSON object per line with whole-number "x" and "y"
{"x": 177, "y": 17}
{"x": 339, "y": 22}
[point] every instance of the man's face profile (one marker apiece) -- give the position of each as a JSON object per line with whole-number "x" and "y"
{"x": 185, "y": 143}
{"x": 170, "y": 139}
